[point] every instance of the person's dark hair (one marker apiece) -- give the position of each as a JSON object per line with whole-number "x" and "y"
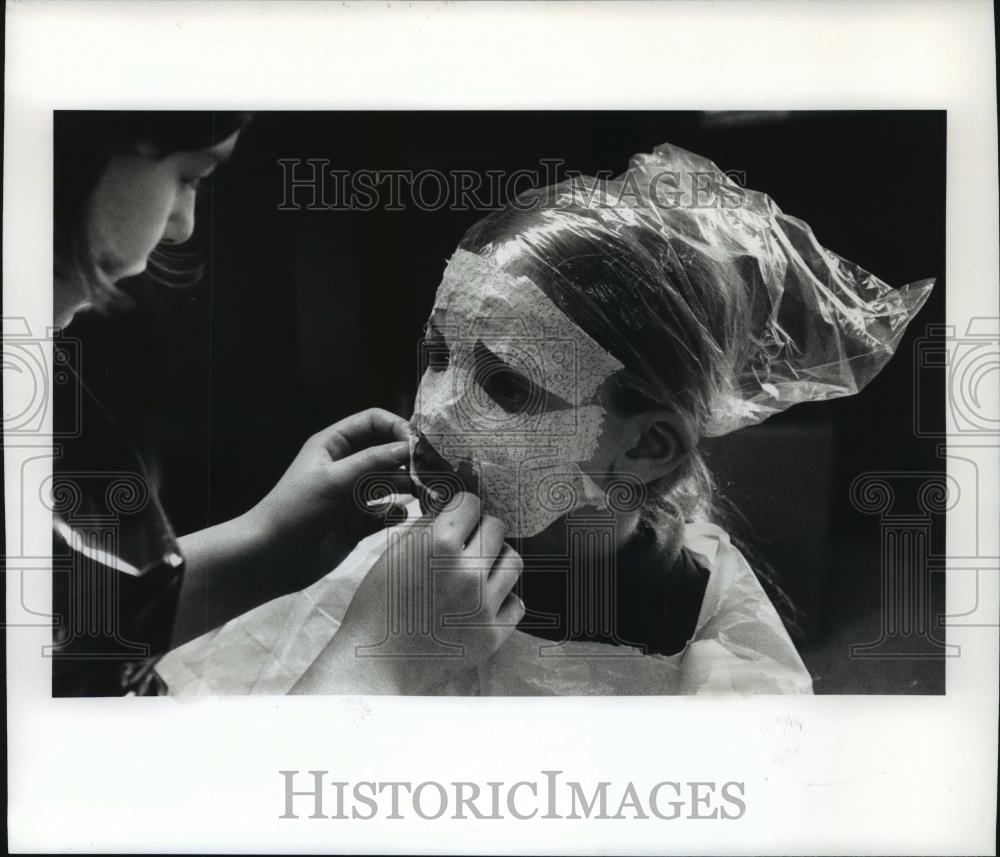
{"x": 610, "y": 282}
{"x": 83, "y": 143}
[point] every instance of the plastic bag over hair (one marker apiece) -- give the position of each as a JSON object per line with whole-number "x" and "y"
{"x": 733, "y": 310}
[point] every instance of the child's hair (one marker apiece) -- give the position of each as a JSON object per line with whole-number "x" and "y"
{"x": 84, "y": 142}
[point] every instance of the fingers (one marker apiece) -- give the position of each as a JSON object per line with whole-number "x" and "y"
{"x": 456, "y": 523}
{"x": 459, "y": 525}
{"x": 510, "y": 613}
{"x": 503, "y": 577}
{"x": 487, "y": 541}
{"x": 456, "y": 533}
{"x": 384, "y": 459}
{"x": 352, "y": 434}
{"x": 375, "y": 494}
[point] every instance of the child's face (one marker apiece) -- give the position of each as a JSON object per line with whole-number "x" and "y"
{"x": 508, "y": 401}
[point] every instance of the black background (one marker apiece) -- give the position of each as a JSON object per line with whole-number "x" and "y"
{"x": 307, "y": 316}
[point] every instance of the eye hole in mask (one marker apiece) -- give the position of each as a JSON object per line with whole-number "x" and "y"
{"x": 511, "y": 390}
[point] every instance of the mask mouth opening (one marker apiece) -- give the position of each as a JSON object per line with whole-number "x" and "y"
{"x": 436, "y": 481}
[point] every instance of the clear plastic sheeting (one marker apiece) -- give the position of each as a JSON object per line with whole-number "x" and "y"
{"x": 801, "y": 323}
{"x": 739, "y": 646}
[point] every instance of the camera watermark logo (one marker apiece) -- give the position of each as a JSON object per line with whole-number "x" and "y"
{"x": 37, "y": 370}
{"x": 907, "y": 503}
{"x": 97, "y": 592}
{"x": 30, "y": 384}
{"x": 970, "y": 366}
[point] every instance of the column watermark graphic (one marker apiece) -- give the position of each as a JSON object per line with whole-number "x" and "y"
{"x": 908, "y": 503}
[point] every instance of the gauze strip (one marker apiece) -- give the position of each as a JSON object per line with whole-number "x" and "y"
{"x": 520, "y": 324}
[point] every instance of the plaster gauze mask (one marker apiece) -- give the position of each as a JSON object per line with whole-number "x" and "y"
{"x": 508, "y": 398}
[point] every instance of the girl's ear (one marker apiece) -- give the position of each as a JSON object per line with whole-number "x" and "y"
{"x": 660, "y": 440}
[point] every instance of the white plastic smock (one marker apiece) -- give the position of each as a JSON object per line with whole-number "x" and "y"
{"x": 739, "y": 645}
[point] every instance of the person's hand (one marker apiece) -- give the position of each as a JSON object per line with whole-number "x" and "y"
{"x": 313, "y": 515}
{"x": 438, "y": 602}
{"x": 304, "y": 527}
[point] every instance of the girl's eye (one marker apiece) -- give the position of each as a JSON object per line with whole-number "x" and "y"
{"x": 507, "y": 389}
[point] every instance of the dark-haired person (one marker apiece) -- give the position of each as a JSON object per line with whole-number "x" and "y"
{"x": 580, "y": 345}
{"x": 125, "y": 588}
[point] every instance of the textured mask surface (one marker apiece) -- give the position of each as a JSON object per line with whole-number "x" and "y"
{"x": 524, "y": 455}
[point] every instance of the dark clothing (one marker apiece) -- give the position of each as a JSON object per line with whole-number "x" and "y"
{"x": 661, "y": 616}
{"x": 650, "y": 598}
{"x": 117, "y": 569}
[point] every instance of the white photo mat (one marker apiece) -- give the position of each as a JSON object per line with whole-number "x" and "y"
{"x": 822, "y": 775}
